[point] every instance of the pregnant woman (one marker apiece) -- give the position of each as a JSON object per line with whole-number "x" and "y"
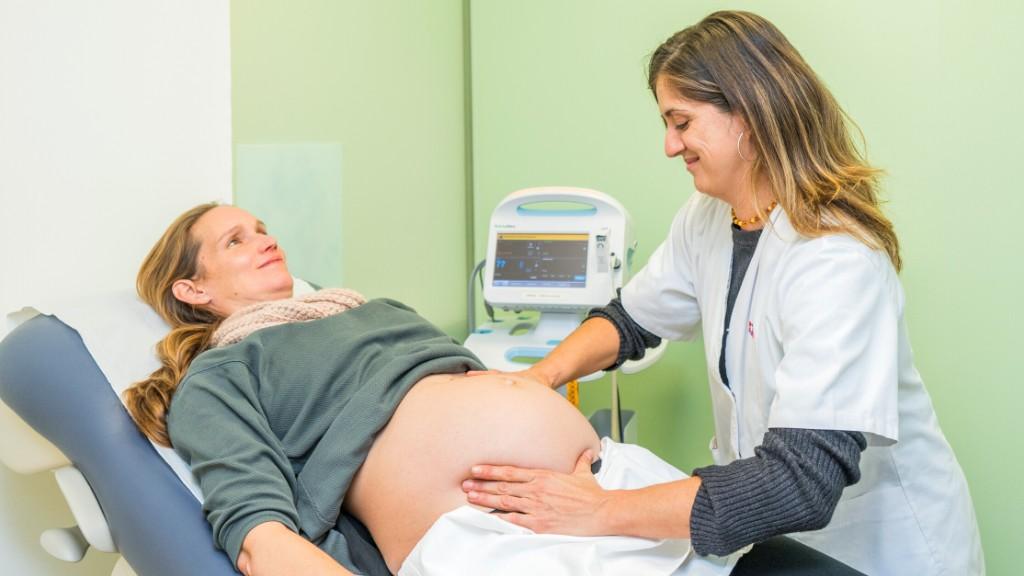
{"x": 323, "y": 428}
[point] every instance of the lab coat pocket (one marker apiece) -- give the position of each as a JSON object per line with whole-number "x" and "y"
{"x": 854, "y": 535}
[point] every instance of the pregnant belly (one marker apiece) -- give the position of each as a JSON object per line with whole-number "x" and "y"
{"x": 446, "y": 424}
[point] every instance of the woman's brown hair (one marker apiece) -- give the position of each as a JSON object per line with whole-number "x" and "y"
{"x": 174, "y": 257}
{"x": 741, "y": 63}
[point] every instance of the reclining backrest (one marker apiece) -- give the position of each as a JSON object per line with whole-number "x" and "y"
{"x": 48, "y": 377}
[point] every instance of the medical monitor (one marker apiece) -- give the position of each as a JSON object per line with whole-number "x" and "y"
{"x": 549, "y": 260}
{"x": 556, "y": 249}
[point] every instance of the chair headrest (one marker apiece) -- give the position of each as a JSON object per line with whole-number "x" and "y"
{"x": 120, "y": 332}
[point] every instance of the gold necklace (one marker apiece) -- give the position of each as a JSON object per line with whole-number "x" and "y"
{"x": 756, "y": 218}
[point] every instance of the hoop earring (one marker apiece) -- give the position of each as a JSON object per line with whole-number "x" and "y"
{"x": 745, "y": 159}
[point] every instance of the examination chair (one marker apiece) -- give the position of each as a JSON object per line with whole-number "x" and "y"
{"x": 125, "y": 497}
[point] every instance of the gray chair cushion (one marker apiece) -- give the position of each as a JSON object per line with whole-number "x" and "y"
{"x": 48, "y": 377}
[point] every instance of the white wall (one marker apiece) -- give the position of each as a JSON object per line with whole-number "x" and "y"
{"x": 115, "y": 116}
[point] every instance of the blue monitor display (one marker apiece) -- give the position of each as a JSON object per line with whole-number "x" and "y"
{"x": 543, "y": 260}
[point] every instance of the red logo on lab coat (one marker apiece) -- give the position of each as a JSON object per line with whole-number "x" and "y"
{"x": 750, "y": 328}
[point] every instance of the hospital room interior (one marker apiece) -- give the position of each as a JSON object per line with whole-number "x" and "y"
{"x": 393, "y": 147}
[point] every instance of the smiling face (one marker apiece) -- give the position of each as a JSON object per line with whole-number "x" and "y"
{"x": 705, "y": 138}
{"x": 239, "y": 264}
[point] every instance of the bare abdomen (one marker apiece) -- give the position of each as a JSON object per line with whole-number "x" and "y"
{"x": 445, "y": 425}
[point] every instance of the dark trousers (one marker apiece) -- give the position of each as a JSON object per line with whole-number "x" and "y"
{"x": 783, "y": 556}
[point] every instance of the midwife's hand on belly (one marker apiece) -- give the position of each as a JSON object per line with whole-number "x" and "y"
{"x": 531, "y": 373}
{"x": 542, "y": 500}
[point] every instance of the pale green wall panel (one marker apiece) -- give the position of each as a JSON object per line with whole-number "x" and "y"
{"x": 383, "y": 80}
{"x": 559, "y": 97}
{"x": 296, "y": 190}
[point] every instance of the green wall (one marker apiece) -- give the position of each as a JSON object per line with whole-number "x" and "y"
{"x": 363, "y": 100}
{"x": 559, "y": 97}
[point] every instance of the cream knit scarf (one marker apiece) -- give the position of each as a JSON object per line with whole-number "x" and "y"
{"x": 319, "y": 304}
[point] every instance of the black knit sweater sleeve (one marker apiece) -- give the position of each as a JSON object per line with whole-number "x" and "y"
{"x": 791, "y": 484}
{"x": 633, "y": 340}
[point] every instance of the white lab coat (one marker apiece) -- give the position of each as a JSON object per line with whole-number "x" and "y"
{"x": 817, "y": 340}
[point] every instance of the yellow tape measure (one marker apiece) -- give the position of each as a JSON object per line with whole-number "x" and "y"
{"x": 572, "y": 392}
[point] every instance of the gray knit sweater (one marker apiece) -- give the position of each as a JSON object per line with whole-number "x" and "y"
{"x": 796, "y": 476}
{"x": 276, "y": 426}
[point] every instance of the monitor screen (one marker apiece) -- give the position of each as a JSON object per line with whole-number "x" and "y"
{"x": 546, "y": 260}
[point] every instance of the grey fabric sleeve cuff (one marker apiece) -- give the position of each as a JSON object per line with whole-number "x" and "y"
{"x": 633, "y": 340}
{"x": 791, "y": 484}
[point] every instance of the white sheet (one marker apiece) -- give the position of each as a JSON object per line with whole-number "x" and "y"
{"x": 469, "y": 541}
{"x": 120, "y": 332}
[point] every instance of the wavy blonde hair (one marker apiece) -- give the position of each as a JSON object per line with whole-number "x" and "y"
{"x": 174, "y": 257}
{"x": 740, "y": 62}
